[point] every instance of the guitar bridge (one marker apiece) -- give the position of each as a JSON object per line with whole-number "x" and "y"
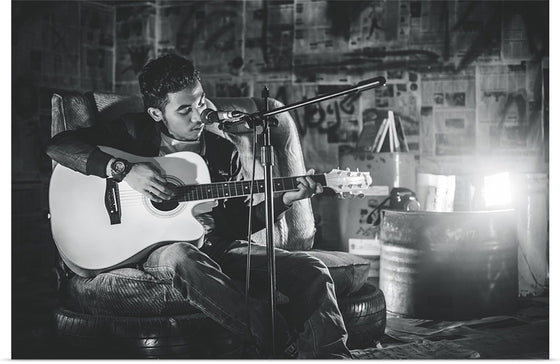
{"x": 113, "y": 201}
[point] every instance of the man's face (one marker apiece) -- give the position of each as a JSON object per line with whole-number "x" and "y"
{"x": 182, "y": 113}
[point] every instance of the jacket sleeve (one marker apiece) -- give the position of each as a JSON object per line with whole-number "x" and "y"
{"x": 231, "y": 216}
{"x": 78, "y": 149}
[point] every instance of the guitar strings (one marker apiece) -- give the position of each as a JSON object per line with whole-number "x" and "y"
{"x": 133, "y": 197}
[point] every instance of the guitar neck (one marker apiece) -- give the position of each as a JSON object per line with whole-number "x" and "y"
{"x": 222, "y": 190}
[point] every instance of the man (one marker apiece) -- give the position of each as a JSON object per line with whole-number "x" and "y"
{"x": 174, "y": 100}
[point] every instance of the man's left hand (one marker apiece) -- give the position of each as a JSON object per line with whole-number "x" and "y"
{"x": 306, "y": 188}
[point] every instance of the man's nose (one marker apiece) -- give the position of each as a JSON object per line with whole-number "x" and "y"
{"x": 195, "y": 118}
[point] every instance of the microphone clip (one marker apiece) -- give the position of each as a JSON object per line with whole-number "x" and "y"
{"x": 251, "y": 120}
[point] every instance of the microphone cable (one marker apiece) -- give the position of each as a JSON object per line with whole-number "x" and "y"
{"x": 249, "y": 225}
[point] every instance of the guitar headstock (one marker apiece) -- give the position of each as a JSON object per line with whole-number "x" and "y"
{"x": 348, "y": 184}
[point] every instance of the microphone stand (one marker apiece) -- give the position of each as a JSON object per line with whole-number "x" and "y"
{"x": 267, "y": 160}
{"x": 264, "y": 119}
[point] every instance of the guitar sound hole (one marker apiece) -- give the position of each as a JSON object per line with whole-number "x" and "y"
{"x": 165, "y": 205}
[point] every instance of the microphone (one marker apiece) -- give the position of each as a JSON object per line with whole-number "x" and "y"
{"x": 210, "y": 116}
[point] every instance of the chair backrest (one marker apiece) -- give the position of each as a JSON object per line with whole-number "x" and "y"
{"x": 294, "y": 232}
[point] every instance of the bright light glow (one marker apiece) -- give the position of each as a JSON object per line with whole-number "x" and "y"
{"x": 497, "y": 190}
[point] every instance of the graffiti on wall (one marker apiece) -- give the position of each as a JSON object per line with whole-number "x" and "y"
{"x": 303, "y": 49}
{"x": 97, "y": 52}
{"x": 207, "y": 32}
{"x": 135, "y": 33}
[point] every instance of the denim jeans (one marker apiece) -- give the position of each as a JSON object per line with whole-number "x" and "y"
{"x": 205, "y": 278}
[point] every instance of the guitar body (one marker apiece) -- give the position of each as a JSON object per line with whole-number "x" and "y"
{"x": 82, "y": 230}
{"x": 99, "y": 225}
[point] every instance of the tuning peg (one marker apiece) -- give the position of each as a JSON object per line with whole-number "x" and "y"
{"x": 346, "y": 194}
{"x": 349, "y": 173}
{"x": 340, "y": 195}
{"x": 358, "y": 170}
{"x": 361, "y": 195}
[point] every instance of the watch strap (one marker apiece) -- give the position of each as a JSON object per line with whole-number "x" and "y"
{"x": 120, "y": 176}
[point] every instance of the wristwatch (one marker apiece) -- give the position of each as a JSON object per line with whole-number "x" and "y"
{"x": 119, "y": 169}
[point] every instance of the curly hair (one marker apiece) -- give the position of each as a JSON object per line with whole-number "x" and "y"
{"x": 166, "y": 74}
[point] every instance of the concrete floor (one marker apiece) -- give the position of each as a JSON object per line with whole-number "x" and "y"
{"x": 523, "y": 335}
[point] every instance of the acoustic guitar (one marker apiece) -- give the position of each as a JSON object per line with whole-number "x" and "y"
{"x": 99, "y": 224}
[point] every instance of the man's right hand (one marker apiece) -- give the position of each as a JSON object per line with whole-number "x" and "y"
{"x": 147, "y": 179}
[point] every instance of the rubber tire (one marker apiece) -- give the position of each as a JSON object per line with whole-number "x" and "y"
{"x": 365, "y": 316}
{"x": 192, "y": 336}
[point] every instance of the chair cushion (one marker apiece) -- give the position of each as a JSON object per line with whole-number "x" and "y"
{"x": 133, "y": 292}
{"x": 124, "y": 292}
{"x": 349, "y": 271}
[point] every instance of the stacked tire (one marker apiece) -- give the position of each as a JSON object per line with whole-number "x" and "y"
{"x": 365, "y": 316}
{"x": 193, "y": 336}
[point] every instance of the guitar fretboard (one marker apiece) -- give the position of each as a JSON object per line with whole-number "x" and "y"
{"x": 219, "y": 190}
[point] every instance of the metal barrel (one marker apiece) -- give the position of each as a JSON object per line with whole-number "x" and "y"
{"x": 448, "y": 265}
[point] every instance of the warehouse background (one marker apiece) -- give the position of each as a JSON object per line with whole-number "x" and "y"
{"x": 467, "y": 79}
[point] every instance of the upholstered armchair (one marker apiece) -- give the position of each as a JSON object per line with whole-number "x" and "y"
{"x": 98, "y": 320}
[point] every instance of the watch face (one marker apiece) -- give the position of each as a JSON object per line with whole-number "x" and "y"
{"x": 118, "y": 167}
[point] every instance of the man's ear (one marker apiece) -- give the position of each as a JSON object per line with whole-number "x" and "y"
{"x": 155, "y": 114}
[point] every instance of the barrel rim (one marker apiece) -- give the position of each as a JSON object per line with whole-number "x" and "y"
{"x": 434, "y": 213}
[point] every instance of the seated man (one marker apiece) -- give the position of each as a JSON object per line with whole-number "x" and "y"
{"x": 174, "y": 100}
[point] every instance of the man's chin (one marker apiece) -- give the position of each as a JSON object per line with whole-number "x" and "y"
{"x": 196, "y": 133}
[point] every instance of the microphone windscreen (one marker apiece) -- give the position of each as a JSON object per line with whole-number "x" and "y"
{"x": 209, "y": 116}
{"x": 373, "y": 82}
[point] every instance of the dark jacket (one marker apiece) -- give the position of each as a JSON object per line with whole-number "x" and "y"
{"x": 138, "y": 134}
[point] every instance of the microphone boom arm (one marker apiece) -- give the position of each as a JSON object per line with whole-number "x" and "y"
{"x": 361, "y": 86}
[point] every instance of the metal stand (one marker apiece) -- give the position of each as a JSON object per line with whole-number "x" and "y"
{"x": 264, "y": 119}
{"x": 267, "y": 160}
